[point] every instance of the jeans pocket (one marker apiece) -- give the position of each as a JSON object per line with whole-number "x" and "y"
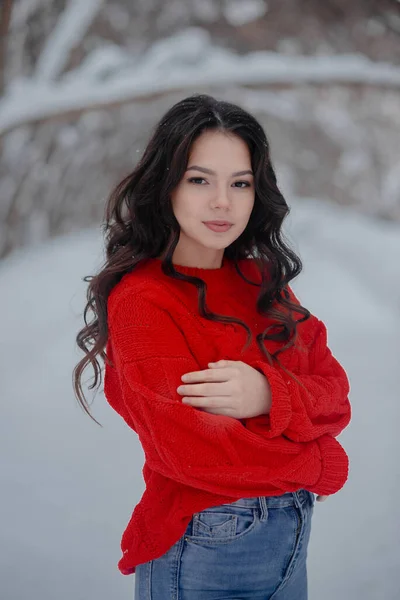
{"x": 222, "y": 524}
{"x": 214, "y": 524}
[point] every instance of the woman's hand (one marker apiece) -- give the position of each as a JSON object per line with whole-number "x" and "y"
{"x": 229, "y": 387}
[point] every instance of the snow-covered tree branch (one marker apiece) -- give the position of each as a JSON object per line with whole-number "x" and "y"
{"x": 110, "y": 75}
{"x": 69, "y": 31}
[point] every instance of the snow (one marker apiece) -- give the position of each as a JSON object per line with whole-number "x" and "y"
{"x": 71, "y": 26}
{"x": 206, "y": 11}
{"x": 118, "y": 16}
{"x": 21, "y": 11}
{"x": 391, "y": 185}
{"x": 238, "y": 13}
{"x": 186, "y": 60}
{"x": 99, "y": 65}
{"x": 69, "y": 486}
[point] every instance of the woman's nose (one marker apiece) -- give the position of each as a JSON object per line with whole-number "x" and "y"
{"x": 221, "y": 199}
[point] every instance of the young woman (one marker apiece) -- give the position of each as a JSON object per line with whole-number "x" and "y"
{"x": 211, "y": 359}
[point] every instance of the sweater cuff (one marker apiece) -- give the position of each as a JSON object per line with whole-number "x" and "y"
{"x": 334, "y": 467}
{"x": 281, "y": 406}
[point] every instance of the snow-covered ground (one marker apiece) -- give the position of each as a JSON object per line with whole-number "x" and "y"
{"x": 68, "y": 486}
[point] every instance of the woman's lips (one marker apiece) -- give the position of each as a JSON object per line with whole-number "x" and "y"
{"x": 218, "y": 228}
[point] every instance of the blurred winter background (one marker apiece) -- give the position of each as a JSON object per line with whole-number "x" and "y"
{"x": 82, "y": 83}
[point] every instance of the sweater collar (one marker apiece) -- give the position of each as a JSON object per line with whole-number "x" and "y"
{"x": 208, "y": 275}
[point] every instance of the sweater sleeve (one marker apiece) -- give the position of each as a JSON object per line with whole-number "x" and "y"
{"x": 316, "y": 404}
{"x": 206, "y": 451}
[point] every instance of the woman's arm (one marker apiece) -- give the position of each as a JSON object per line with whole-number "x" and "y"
{"x": 318, "y": 404}
{"x": 211, "y": 452}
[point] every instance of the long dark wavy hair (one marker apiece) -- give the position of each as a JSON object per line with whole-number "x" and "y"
{"x": 140, "y": 224}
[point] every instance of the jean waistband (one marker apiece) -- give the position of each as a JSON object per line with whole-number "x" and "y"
{"x": 287, "y": 499}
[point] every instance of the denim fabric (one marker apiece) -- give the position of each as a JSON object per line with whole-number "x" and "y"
{"x": 252, "y": 548}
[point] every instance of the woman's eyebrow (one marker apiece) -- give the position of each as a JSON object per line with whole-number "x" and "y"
{"x": 211, "y": 172}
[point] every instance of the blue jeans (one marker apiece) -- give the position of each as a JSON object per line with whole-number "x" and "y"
{"x": 252, "y": 548}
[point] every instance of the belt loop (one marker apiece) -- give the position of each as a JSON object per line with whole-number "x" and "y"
{"x": 297, "y": 496}
{"x": 263, "y": 508}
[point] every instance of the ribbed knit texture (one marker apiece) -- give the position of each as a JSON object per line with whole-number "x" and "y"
{"x": 194, "y": 459}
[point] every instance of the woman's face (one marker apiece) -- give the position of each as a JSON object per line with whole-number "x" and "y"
{"x": 218, "y": 185}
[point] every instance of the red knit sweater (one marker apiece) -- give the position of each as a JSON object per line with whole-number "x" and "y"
{"x": 194, "y": 459}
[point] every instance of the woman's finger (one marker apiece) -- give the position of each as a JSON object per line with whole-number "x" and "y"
{"x": 210, "y": 402}
{"x": 210, "y": 375}
{"x": 222, "y": 388}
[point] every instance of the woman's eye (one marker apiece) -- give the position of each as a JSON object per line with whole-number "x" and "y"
{"x": 201, "y": 181}
{"x": 196, "y": 179}
{"x": 242, "y": 184}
